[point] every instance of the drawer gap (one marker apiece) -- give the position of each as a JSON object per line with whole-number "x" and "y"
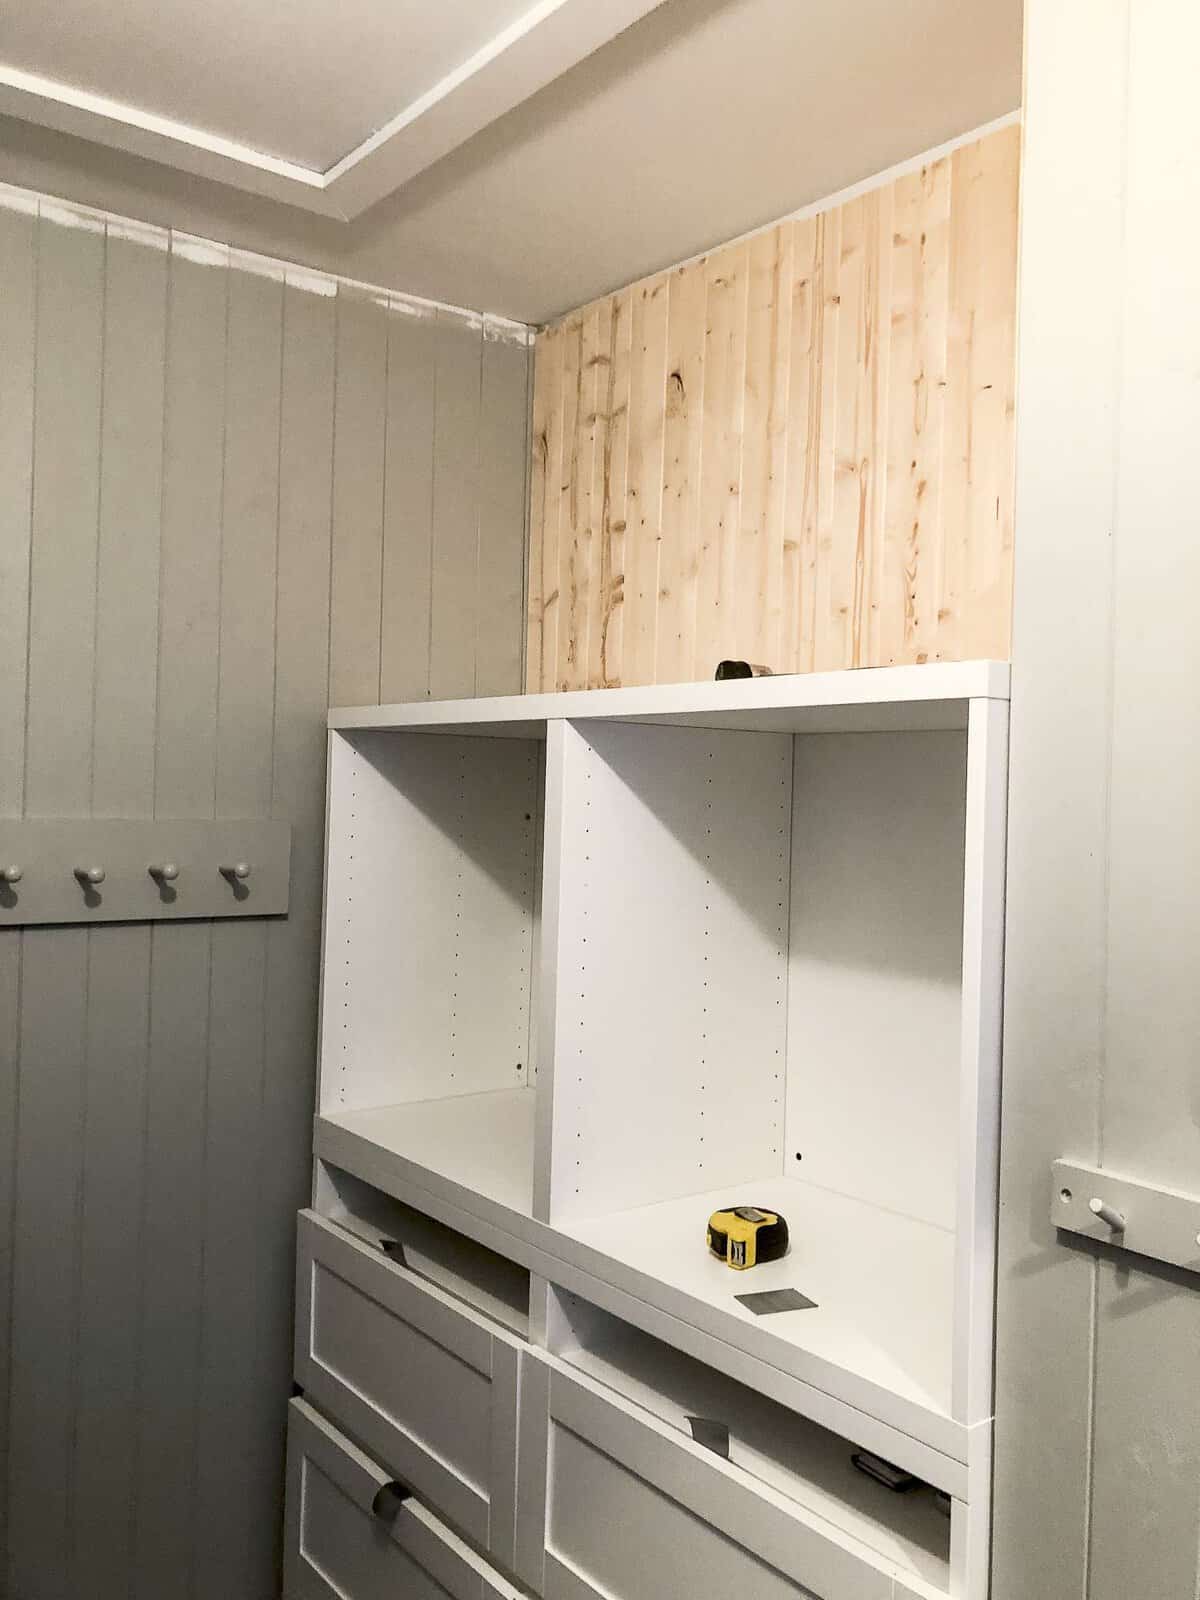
{"x": 479, "y": 1277}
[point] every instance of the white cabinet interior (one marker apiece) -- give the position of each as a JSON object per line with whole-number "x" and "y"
{"x": 597, "y": 965}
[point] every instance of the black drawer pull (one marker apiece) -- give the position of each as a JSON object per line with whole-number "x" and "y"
{"x": 389, "y": 1497}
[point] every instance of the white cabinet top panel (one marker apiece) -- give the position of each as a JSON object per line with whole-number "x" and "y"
{"x": 874, "y": 698}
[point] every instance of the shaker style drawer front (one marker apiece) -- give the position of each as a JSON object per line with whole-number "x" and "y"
{"x": 348, "y": 1536}
{"x": 426, "y": 1384}
{"x": 622, "y": 1507}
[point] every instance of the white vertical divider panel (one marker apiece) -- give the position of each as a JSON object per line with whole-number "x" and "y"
{"x": 427, "y": 986}
{"x": 672, "y": 964}
{"x": 173, "y": 1213}
{"x": 876, "y": 999}
{"x": 234, "y": 1135}
{"x": 111, "y": 1268}
{"x": 18, "y": 323}
{"x": 978, "y": 1162}
{"x": 564, "y": 759}
{"x": 51, "y": 1103}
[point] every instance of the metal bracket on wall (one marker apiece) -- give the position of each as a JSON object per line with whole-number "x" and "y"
{"x": 1143, "y": 1217}
{"x": 152, "y": 871}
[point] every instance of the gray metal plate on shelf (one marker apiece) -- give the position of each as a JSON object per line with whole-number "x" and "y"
{"x": 1146, "y": 1218}
{"x": 48, "y": 855}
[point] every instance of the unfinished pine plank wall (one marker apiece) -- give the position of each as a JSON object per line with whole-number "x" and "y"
{"x": 797, "y": 450}
{"x": 230, "y": 492}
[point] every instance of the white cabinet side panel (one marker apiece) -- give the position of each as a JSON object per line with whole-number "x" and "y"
{"x": 429, "y": 919}
{"x": 670, "y": 1026}
{"x": 874, "y": 1040}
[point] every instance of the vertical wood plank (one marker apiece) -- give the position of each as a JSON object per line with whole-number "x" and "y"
{"x": 614, "y": 513}
{"x": 229, "y": 1400}
{"x": 180, "y": 960}
{"x": 592, "y": 613}
{"x": 186, "y": 753}
{"x": 298, "y": 792}
{"x": 805, "y": 373}
{"x": 833, "y": 381}
{"x": 758, "y": 605}
{"x": 503, "y": 451}
{"x": 66, "y": 486}
{"x": 10, "y": 1011}
{"x": 909, "y": 578}
{"x": 545, "y": 388}
{"x": 992, "y": 210}
{"x": 877, "y": 355}
{"x": 111, "y": 1265}
{"x": 249, "y": 523}
{"x": 455, "y": 625}
{"x": 408, "y": 505}
{"x": 727, "y": 288}
{"x": 18, "y": 322}
{"x": 839, "y": 599}
{"x": 359, "y": 430}
{"x": 643, "y": 488}
{"x": 119, "y": 957}
{"x": 45, "y": 1265}
{"x": 581, "y": 405}
{"x": 675, "y": 655}
{"x": 135, "y": 309}
{"x": 568, "y": 505}
{"x": 51, "y": 1105}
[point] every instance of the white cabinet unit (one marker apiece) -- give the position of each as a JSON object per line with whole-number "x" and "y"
{"x": 597, "y": 965}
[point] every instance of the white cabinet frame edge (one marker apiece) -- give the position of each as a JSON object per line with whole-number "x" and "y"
{"x": 812, "y": 691}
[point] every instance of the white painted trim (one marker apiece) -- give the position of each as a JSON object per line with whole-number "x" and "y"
{"x": 839, "y": 197}
{"x": 979, "y": 1077}
{"x": 72, "y": 214}
{"x": 547, "y": 40}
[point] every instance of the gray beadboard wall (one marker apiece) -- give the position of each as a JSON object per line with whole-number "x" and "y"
{"x": 231, "y": 493}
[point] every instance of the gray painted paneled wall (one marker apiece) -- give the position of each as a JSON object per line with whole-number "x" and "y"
{"x": 1098, "y": 1368}
{"x": 230, "y": 494}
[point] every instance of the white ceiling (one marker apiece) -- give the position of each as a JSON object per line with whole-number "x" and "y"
{"x": 324, "y": 105}
{"x": 703, "y": 120}
{"x": 305, "y": 80}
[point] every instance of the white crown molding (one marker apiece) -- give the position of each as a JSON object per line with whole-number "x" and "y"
{"x": 549, "y": 38}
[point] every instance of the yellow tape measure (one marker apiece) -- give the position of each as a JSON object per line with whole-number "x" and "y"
{"x": 746, "y": 1236}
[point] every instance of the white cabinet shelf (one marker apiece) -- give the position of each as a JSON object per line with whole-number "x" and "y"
{"x": 597, "y": 964}
{"x": 883, "y": 1286}
{"x": 471, "y": 1145}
